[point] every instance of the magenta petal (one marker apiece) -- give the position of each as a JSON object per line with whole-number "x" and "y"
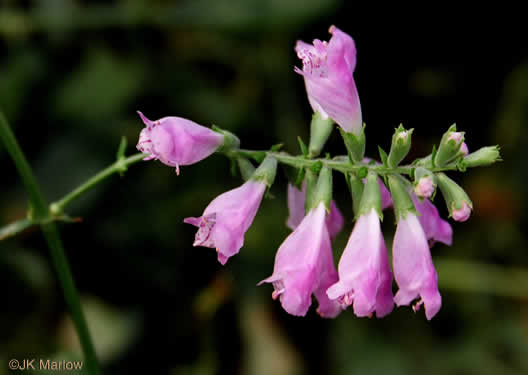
{"x": 177, "y": 141}
{"x": 327, "y": 71}
{"x": 364, "y": 276}
{"x": 413, "y": 266}
{"x": 435, "y": 228}
{"x": 304, "y": 265}
{"x": 227, "y": 218}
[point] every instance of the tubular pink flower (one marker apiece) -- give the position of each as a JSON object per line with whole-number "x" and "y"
{"x": 413, "y": 267}
{"x": 463, "y": 213}
{"x": 177, "y": 141}
{"x": 365, "y": 279}
{"x": 304, "y": 266}
{"x": 227, "y": 218}
{"x": 296, "y": 200}
{"x": 327, "y": 71}
{"x": 435, "y": 228}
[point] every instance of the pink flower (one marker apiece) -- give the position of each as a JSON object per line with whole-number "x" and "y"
{"x": 365, "y": 279}
{"x": 227, "y": 218}
{"x": 327, "y": 71}
{"x": 464, "y": 149}
{"x": 304, "y": 266}
{"x": 413, "y": 267}
{"x": 463, "y": 213}
{"x": 296, "y": 200}
{"x": 435, "y": 228}
{"x": 177, "y": 141}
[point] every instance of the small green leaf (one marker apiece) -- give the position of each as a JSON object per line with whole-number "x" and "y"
{"x": 362, "y": 172}
{"x": 300, "y": 178}
{"x": 383, "y": 156}
{"x": 303, "y": 147}
{"x": 276, "y": 147}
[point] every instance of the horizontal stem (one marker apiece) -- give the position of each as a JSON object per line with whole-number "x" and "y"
{"x": 118, "y": 167}
{"x": 338, "y": 163}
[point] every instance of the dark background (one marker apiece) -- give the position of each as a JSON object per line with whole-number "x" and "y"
{"x": 72, "y": 75}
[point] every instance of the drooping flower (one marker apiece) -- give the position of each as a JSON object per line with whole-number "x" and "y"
{"x": 414, "y": 271}
{"x": 304, "y": 266}
{"x": 463, "y": 213}
{"x": 296, "y": 201}
{"x": 327, "y": 71}
{"x": 435, "y": 228}
{"x": 227, "y": 218}
{"x": 365, "y": 279}
{"x": 177, "y": 141}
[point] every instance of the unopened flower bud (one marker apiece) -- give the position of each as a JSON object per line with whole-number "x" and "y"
{"x": 484, "y": 156}
{"x": 464, "y": 149}
{"x": 401, "y": 144}
{"x": 457, "y": 201}
{"x": 450, "y": 147}
{"x": 425, "y": 187}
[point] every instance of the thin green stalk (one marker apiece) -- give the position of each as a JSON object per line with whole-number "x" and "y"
{"x": 118, "y": 167}
{"x": 41, "y": 212}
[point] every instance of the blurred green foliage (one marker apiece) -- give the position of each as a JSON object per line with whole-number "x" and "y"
{"x": 72, "y": 75}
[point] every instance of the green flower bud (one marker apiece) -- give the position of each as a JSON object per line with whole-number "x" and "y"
{"x": 449, "y": 148}
{"x": 457, "y": 201}
{"x": 482, "y": 157}
{"x": 401, "y": 144}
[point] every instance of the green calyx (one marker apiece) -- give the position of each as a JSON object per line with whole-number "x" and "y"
{"x": 371, "y": 197}
{"x": 449, "y": 149}
{"x": 266, "y": 171}
{"x": 318, "y": 188}
{"x": 483, "y": 157}
{"x": 355, "y": 185}
{"x": 401, "y": 144}
{"x": 400, "y": 196}
{"x": 355, "y": 145}
{"x": 246, "y": 168}
{"x": 231, "y": 141}
{"x": 320, "y": 130}
{"x": 454, "y": 195}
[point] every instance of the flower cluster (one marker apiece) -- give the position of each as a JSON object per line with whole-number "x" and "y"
{"x": 304, "y": 263}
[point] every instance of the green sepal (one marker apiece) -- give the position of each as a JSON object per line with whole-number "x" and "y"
{"x": 300, "y": 178}
{"x": 231, "y": 141}
{"x": 246, "y": 168}
{"x": 371, "y": 197}
{"x": 483, "y": 156}
{"x": 355, "y": 145}
{"x": 321, "y": 191}
{"x": 401, "y": 199}
{"x": 320, "y": 130}
{"x": 355, "y": 185}
{"x": 316, "y": 167}
{"x": 277, "y": 147}
{"x": 302, "y": 145}
{"x": 383, "y": 156}
{"x": 401, "y": 144}
{"x": 453, "y": 194}
{"x": 362, "y": 172}
{"x": 266, "y": 171}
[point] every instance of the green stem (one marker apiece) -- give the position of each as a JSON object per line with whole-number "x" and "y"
{"x": 339, "y": 163}
{"x": 40, "y": 212}
{"x": 118, "y": 167}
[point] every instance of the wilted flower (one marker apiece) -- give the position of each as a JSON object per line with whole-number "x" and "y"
{"x": 177, "y": 141}
{"x": 227, "y": 218}
{"x": 327, "y": 71}
{"x": 413, "y": 267}
{"x": 365, "y": 279}
{"x": 304, "y": 265}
